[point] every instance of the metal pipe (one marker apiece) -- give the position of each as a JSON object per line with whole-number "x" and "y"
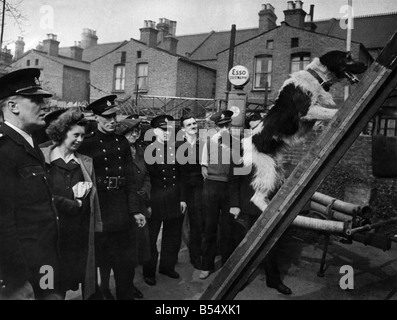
{"x": 320, "y": 225}
{"x": 339, "y": 205}
{"x": 369, "y": 226}
{"x": 336, "y": 215}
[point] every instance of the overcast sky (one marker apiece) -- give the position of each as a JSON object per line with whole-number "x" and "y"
{"x": 117, "y": 20}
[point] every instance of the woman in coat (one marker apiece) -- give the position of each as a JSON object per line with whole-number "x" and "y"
{"x": 131, "y": 129}
{"x": 74, "y": 189}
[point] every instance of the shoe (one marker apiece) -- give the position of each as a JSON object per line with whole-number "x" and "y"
{"x": 172, "y": 274}
{"x": 204, "y": 275}
{"x": 282, "y": 288}
{"x": 107, "y": 294}
{"x": 137, "y": 293}
{"x": 151, "y": 281}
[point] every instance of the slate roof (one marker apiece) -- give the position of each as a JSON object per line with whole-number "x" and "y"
{"x": 62, "y": 60}
{"x": 95, "y": 52}
{"x": 373, "y": 31}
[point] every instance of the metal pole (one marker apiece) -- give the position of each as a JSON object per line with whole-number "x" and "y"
{"x": 231, "y": 59}
{"x": 349, "y": 37}
{"x": 2, "y": 24}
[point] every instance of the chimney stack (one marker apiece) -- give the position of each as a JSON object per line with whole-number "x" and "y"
{"x": 149, "y": 33}
{"x": 267, "y": 18}
{"x": 164, "y": 29}
{"x": 88, "y": 38}
{"x": 19, "y": 48}
{"x": 51, "y": 45}
{"x": 295, "y": 15}
{"x": 76, "y": 51}
{"x": 309, "y": 24}
{"x": 170, "y": 44}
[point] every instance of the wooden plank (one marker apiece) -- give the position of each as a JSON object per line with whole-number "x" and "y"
{"x": 377, "y": 83}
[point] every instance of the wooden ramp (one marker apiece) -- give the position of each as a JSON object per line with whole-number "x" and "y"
{"x": 375, "y": 86}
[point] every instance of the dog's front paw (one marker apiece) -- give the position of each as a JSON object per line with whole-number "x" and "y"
{"x": 259, "y": 199}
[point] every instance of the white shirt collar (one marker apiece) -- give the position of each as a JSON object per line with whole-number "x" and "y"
{"x": 56, "y": 154}
{"x": 25, "y": 135}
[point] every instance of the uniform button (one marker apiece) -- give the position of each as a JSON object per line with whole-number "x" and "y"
{"x": 120, "y": 168}
{"x": 173, "y": 185}
{"x": 104, "y": 150}
{"x": 173, "y": 169}
{"x": 165, "y": 187}
{"x": 101, "y": 141}
{"x": 106, "y": 159}
{"x": 163, "y": 170}
{"x": 118, "y": 149}
{"x": 165, "y": 178}
{"x": 138, "y": 171}
{"x": 117, "y": 140}
{"x": 106, "y": 169}
{"x": 57, "y": 218}
{"x": 174, "y": 177}
{"x": 161, "y": 156}
{"x": 172, "y": 154}
{"x": 119, "y": 158}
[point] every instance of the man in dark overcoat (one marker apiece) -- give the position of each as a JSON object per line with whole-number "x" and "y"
{"x": 29, "y": 261}
{"x": 118, "y": 198}
{"x": 167, "y": 201}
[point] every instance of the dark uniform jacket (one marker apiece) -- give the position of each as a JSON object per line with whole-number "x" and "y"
{"x": 28, "y": 218}
{"x": 167, "y": 187}
{"x": 116, "y": 181}
{"x": 191, "y": 170}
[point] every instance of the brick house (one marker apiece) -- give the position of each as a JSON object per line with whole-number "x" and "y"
{"x": 151, "y": 67}
{"x": 66, "y": 77}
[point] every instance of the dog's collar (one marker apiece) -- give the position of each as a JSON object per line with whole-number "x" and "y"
{"x": 325, "y": 84}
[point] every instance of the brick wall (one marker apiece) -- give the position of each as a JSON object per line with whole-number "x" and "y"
{"x": 162, "y": 71}
{"x": 316, "y": 44}
{"x": 51, "y": 72}
{"x": 355, "y": 168}
{"x": 75, "y": 84}
{"x": 195, "y": 81}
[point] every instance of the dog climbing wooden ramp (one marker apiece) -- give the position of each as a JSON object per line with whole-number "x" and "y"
{"x": 377, "y": 83}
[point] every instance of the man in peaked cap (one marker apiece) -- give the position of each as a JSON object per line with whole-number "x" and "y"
{"x": 167, "y": 201}
{"x": 222, "y": 117}
{"x": 28, "y": 218}
{"x": 118, "y": 197}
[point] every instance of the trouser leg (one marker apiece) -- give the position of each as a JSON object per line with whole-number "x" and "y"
{"x": 149, "y": 268}
{"x": 211, "y": 217}
{"x": 171, "y": 243}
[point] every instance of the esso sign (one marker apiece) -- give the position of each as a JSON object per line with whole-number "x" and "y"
{"x": 239, "y": 76}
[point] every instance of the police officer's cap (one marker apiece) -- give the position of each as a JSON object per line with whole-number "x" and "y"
{"x": 23, "y": 82}
{"x": 222, "y": 117}
{"x": 161, "y": 121}
{"x": 133, "y": 116}
{"x": 127, "y": 125}
{"x": 104, "y": 106}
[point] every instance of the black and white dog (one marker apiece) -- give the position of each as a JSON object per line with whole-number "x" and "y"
{"x": 302, "y": 100}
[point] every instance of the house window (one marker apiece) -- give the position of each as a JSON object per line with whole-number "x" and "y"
{"x": 294, "y": 42}
{"x": 142, "y": 76}
{"x": 119, "y": 78}
{"x": 123, "y": 57}
{"x": 36, "y": 62}
{"x": 269, "y": 44}
{"x": 299, "y": 61}
{"x": 28, "y": 63}
{"x": 263, "y": 72}
{"x": 387, "y": 127}
{"x": 139, "y": 54}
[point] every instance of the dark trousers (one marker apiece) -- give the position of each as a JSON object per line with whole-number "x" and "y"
{"x": 114, "y": 250}
{"x": 240, "y": 228}
{"x": 194, "y": 198}
{"x": 170, "y": 244}
{"x": 216, "y": 210}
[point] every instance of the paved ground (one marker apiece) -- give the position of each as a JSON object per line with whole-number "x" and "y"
{"x": 375, "y": 275}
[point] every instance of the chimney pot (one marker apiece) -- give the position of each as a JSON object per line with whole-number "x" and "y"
{"x": 290, "y": 5}
{"x": 298, "y": 4}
